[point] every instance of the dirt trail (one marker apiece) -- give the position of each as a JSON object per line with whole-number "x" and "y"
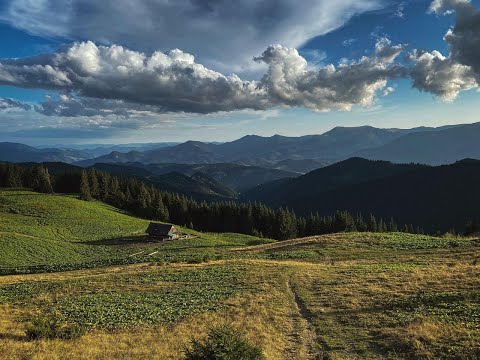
{"x": 310, "y": 339}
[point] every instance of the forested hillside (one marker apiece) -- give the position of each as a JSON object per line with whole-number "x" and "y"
{"x": 436, "y": 198}
{"x": 147, "y": 201}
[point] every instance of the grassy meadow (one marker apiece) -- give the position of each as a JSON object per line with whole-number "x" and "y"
{"x": 340, "y": 296}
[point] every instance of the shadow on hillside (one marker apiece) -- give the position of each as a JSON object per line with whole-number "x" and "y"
{"x": 132, "y": 240}
{"x": 125, "y": 240}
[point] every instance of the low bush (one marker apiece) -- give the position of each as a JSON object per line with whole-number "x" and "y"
{"x": 223, "y": 343}
{"x": 51, "y": 327}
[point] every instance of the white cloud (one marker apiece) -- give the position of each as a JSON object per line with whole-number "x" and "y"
{"x": 171, "y": 81}
{"x": 223, "y": 34}
{"x": 440, "y": 75}
{"x": 100, "y": 79}
{"x": 447, "y": 76}
{"x": 289, "y": 82}
{"x": 447, "y": 6}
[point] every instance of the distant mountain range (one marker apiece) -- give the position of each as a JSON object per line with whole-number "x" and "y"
{"x": 436, "y": 198}
{"x": 275, "y": 151}
{"x": 432, "y": 146}
{"x": 14, "y": 152}
{"x": 437, "y": 147}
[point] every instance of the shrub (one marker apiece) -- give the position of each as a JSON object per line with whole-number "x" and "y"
{"x": 223, "y": 343}
{"x": 50, "y": 327}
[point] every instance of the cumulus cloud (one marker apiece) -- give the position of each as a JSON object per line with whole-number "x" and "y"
{"x": 356, "y": 83}
{"x": 439, "y": 75}
{"x": 446, "y": 76}
{"x": 9, "y": 104}
{"x": 172, "y": 81}
{"x": 223, "y": 34}
{"x": 101, "y": 79}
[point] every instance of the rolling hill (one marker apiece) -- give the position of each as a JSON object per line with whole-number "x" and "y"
{"x": 436, "y": 198}
{"x": 237, "y": 177}
{"x": 53, "y": 230}
{"x": 42, "y": 232}
{"x": 345, "y": 173}
{"x": 300, "y": 166}
{"x": 197, "y": 185}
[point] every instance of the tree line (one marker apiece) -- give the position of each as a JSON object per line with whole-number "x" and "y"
{"x": 146, "y": 201}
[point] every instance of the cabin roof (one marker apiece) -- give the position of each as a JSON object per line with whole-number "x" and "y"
{"x": 160, "y": 228}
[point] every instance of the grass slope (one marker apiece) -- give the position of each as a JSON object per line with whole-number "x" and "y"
{"x": 340, "y": 296}
{"x": 41, "y": 232}
{"x": 38, "y": 229}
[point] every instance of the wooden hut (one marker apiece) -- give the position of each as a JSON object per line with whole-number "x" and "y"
{"x": 162, "y": 231}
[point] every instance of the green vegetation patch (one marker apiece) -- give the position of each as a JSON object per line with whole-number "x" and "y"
{"x": 48, "y": 233}
{"x": 452, "y": 306}
{"x": 125, "y": 300}
{"x": 291, "y": 255}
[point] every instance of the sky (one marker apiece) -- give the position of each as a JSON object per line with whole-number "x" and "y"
{"x": 120, "y": 71}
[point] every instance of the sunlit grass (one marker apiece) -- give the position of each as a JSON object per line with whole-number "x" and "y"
{"x": 340, "y": 296}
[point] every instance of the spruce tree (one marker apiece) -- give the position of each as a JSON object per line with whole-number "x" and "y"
{"x": 392, "y": 225}
{"x": 85, "y": 187}
{"x": 161, "y": 212}
{"x": 13, "y": 176}
{"x": 372, "y": 224}
{"x": 41, "y": 180}
{"x": 360, "y": 223}
{"x": 381, "y": 226}
{"x": 94, "y": 184}
{"x": 285, "y": 224}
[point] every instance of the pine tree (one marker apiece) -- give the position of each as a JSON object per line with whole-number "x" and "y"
{"x": 350, "y": 225}
{"x": 85, "y": 187}
{"x": 285, "y": 224}
{"x": 13, "y": 176}
{"x": 161, "y": 212}
{"x": 40, "y": 180}
{"x": 360, "y": 223}
{"x": 392, "y": 225}
{"x": 94, "y": 184}
{"x": 372, "y": 224}
{"x": 104, "y": 190}
{"x": 301, "y": 227}
{"x": 381, "y": 226}
{"x": 409, "y": 228}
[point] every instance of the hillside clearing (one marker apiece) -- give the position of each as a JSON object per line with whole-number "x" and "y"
{"x": 340, "y": 296}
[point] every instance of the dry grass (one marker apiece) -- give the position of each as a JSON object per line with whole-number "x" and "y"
{"x": 267, "y": 315}
{"x": 366, "y": 297}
